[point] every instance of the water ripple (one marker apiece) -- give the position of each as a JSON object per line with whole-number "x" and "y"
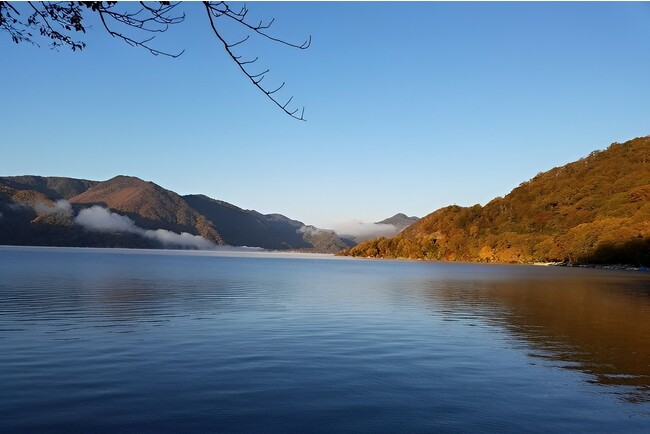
{"x": 102, "y": 341}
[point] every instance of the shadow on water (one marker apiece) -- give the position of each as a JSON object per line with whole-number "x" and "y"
{"x": 594, "y": 321}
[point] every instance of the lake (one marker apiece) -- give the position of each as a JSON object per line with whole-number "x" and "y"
{"x": 108, "y": 340}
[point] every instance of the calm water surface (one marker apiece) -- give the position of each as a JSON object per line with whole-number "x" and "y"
{"x": 137, "y": 341}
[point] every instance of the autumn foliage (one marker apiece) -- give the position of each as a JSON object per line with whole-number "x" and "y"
{"x": 594, "y": 210}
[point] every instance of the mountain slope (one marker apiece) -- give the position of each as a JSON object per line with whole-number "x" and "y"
{"x": 51, "y": 211}
{"x": 32, "y": 218}
{"x": 149, "y": 205}
{"x": 240, "y": 227}
{"x": 245, "y": 228}
{"x": 596, "y": 209}
{"x": 53, "y": 187}
{"x": 400, "y": 220}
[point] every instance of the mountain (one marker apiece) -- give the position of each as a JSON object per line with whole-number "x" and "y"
{"x": 595, "y": 210}
{"x": 355, "y": 231}
{"x": 129, "y": 212}
{"x": 39, "y": 217}
{"x": 246, "y": 228}
{"x": 149, "y": 206}
{"x": 399, "y": 220}
{"x": 53, "y": 187}
{"x": 240, "y": 227}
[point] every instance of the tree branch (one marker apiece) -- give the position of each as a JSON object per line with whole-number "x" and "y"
{"x": 240, "y": 18}
{"x": 214, "y": 13}
{"x": 160, "y": 16}
{"x": 56, "y": 21}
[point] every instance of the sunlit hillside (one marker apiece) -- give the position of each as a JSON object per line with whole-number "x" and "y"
{"x": 595, "y": 210}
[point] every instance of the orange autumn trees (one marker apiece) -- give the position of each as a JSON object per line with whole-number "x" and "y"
{"x": 594, "y": 210}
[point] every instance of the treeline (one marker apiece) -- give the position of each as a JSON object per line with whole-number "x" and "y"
{"x": 594, "y": 210}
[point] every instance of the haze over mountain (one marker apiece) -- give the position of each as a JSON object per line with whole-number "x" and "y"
{"x": 400, "y": 220}
{"x": 358, "y": 231}
{"x": 596, "y": 209}
{"x": 128, "y": 212}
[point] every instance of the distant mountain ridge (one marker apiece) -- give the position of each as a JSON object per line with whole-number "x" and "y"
{"x": 54, "y": 187}
{"x": 595, "y": 210}
{"x": 400, "y": 220}
{"x": 241, "y": 227}
{"x": 37, "y": 210}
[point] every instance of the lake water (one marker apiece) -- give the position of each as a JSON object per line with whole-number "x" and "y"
{"x": 151, "y": 341}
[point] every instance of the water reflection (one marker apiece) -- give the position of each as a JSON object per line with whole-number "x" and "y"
{"x": 123, "y": 291}
{"x": 595, "y": 321}
{"x": 91, "y": 339}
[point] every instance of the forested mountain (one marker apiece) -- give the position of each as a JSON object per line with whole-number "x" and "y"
{"x": 595, "y": 210}
{"x": 33, "y": 213}
{"x": 240, "y": 227}
{"x": 149, "y": 206}
{"x": 128, "y": 212}
{"x": 53, "y": 187}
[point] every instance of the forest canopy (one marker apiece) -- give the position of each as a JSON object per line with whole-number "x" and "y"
{"x": 594, "y": 210}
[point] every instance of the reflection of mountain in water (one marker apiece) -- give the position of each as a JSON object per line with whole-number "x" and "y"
{"x": 592, "y": 320}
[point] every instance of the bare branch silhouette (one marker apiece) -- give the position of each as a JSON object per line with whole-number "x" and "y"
{"x": 57, "y": 22}
{"x": 216, "y": 10}
{"x": 223, "y": 9}
{"x": 159, "y": 16}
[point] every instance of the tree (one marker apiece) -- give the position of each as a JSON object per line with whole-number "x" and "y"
{"x": 60, "y": 23}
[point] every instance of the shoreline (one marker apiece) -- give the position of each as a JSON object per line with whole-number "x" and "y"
{"x": 257, "y": 251}
{"x": 599, "y": 266}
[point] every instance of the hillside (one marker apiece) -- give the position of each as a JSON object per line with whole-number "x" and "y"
{"x": 149, "y": 206}
{"x": 129, "y": 212}
{"x": 53, "y": 187}
{"x": 31, "y": 217}
{"x": 240, "y": 227}
{"x": 400, "y": 220}
{"x": 594, "y": 210}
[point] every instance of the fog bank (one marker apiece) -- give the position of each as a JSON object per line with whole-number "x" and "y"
{"x": 361, "y": 231}
{"x": 100, "y": 219}
{"x": 61, "y": 207}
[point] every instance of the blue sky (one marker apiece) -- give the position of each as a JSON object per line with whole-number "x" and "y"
{"x": 409, "y": 106}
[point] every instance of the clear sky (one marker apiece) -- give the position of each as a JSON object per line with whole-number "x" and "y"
{"x": 409, "y": 106}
